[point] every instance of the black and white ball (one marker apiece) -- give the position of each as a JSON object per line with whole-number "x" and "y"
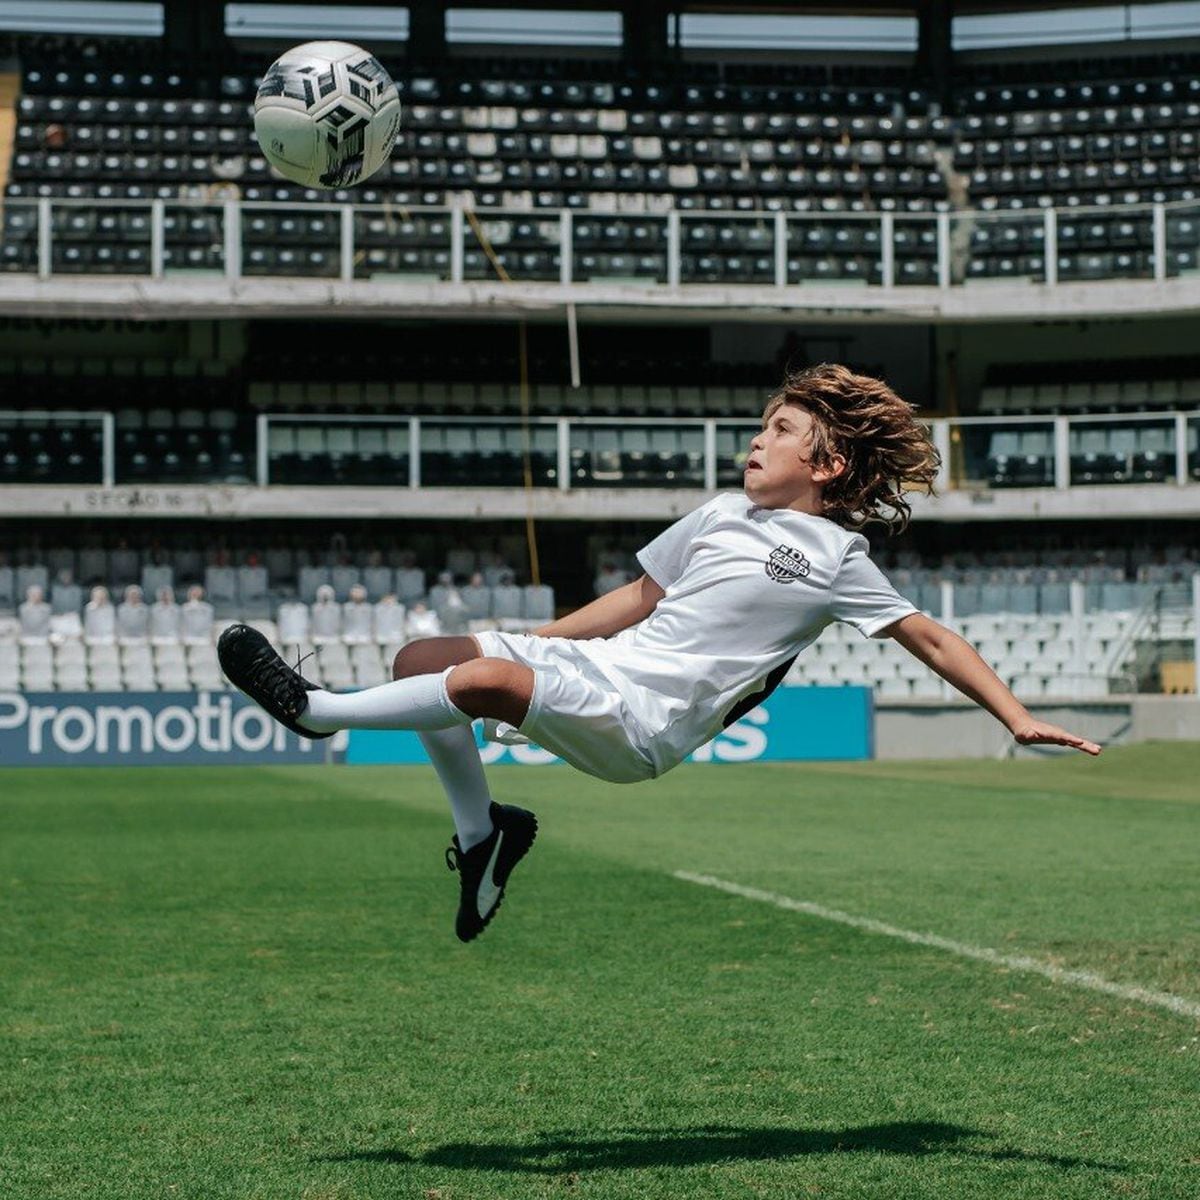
{"x": 326, "y": 114}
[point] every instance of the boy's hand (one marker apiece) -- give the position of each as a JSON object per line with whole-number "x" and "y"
{"x": 1031, "y": 733}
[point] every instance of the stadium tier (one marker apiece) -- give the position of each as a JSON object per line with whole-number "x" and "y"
{"x": 1059, "y": 623}
{"x": 571, "y": 171}
{"x": 191, "y": 446}
{"x": 619, "y": 153}
{"x": 1041, "y": 657}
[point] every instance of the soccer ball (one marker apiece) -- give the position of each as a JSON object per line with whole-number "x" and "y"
{"x": 326, "y": 114}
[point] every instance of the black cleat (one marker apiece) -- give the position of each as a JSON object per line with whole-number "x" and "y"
{"x": 485, "y": 868}
{"x": 252, "y": 665}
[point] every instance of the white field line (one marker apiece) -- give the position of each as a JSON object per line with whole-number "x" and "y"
{"x": 1013, "y": 962}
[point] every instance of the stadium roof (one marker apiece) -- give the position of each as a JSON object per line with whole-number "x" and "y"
{"x": 863, "y": 7}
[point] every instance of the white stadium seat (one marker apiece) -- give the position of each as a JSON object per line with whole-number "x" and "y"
{"x": 928, "y": 687}
{"x": 172, "y": 677}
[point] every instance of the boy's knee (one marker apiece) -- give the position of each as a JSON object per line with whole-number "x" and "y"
{"x": 425, "y": 656}
{"x": 473, "y": 685}
{"x": 402, "y": 664}
{"x": 490, "y": 687}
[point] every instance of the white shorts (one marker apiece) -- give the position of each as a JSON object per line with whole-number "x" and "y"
{"x": 575, "y": 711}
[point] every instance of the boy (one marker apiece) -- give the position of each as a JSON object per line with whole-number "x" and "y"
{"x": 626, "y": 687}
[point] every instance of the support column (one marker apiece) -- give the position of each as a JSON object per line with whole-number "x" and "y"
{"x": 941, "y": 443}
{"x": 644, "y": 31}
{"x": 947, "y": 589}
{"x": 563, "y": 445}
{"x": 1062, "y": 453}
{"x": 195, "y": 32}
{"x": 262, "y": 442}
{"x": 108, "y": 450}
{"x": 673, "y": 254}
{"x": 934, "y": 47}
{"x": 414, "y": 453}
{"x": 427, "y": 31}
{"x": 1079, "y": 662}
{"x": 1196, "y": 630}
{"x": 710, "y": 455}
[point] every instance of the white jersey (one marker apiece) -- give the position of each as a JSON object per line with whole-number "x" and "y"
{"x": 747, "y": 589}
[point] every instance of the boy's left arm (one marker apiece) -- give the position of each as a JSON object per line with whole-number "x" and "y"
{"x": 955, "y": 660}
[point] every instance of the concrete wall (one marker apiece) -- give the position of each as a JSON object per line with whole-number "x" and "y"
{"x": 935, "y": 730}
{"x": 1165, "y": 717}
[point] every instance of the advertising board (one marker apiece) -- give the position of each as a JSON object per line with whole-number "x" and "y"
{"x": 794, "y": 724}
{"x": 143, "y": 728}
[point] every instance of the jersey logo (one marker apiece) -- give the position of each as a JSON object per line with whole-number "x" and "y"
{"x": 786, "y": 565}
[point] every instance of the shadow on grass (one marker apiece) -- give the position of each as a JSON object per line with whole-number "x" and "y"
{"x": 552, "y": 1153}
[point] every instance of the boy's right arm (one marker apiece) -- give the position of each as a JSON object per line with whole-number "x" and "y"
{"x": 956, "y": 661}
{"x": 608, "y": 614}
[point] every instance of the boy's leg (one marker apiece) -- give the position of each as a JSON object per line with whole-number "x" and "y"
{"x": 486, "y": 687}
{"x": 425, "y": 702}
{"x": 435, "y": 678}
{"x": 452, "y": 751}
{"x": 490, "y": 839}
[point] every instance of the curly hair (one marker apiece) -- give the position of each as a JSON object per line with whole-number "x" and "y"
{"x": 884, "y": 446}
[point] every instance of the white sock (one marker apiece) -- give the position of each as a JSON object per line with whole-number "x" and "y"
{"x": 418, "y": 702}
{"x": 459, "y": 767}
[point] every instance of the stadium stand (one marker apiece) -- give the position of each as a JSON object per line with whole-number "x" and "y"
{"x": 1044, "y": 655}
{"x": 356, "y": 605}
{"x": 727, "y": 148}
{"x": 527, "y": 137}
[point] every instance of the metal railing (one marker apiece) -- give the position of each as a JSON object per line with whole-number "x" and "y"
{"x": 706, "y": 443}
{"x": 345, "y": 242}
{"x": 683, "y": 452}
{"x": 1141, "y": 650}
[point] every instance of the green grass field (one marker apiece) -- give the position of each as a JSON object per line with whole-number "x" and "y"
{"x": 244, "y": 983}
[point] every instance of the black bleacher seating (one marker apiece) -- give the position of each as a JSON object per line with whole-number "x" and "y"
{"x": 524, "y": 135}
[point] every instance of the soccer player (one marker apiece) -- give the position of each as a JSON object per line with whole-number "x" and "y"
{"x": 628, "y": 686}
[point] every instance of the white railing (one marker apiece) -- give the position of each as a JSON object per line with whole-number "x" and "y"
{"x": 948, "y": 434}
{"x": 154, "y": 238}
{"x": 970, "y": 446}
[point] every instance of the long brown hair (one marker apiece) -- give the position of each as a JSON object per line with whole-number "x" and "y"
{"x": 887, "y": 451}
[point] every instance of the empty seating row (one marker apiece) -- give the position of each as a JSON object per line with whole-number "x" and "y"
{"x": 434, "y": 398}
{"x": 452, "y": 608}
{"x": 1091, "y": 395}
{"x": 48, "y": 81}
{"x": 324, "y": 451}
{"x": 76, "y": 666}
{"x": 1085, "y": 94}
{"x": 64, "y": 450}
{"x": 1117, "y": 454}
{"x": 463, "y": 455}
{"x": 1035, "y": 664}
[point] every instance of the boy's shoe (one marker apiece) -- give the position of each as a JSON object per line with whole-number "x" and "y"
{"x": 252, "y": 665}
{"x": 484, "y": 869}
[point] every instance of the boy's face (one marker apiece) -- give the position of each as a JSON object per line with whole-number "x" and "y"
{"x": 778, "y": 473}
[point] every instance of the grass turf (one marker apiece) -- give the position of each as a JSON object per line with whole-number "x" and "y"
{"x": 228, "y": 983}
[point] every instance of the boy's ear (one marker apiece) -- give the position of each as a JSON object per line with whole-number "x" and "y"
{"x": 835, "y": 468}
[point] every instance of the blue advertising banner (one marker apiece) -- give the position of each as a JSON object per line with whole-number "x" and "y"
{"x": 143, "y": 728}
{"x": 795, "y": 724}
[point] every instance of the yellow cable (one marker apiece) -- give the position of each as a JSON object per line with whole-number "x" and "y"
{"x": 523, "y": 393}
